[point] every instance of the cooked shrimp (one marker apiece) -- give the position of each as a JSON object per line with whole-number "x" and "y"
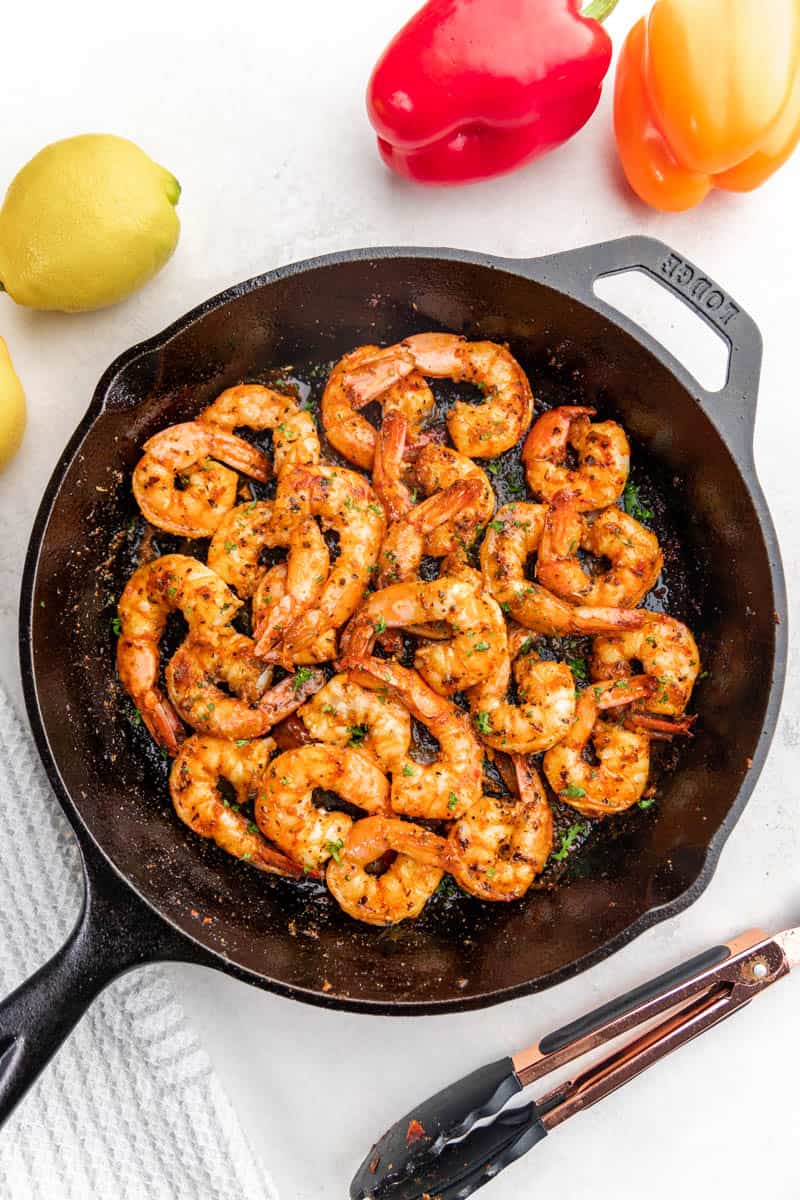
{"x": 184, "y": 454}
{"x": 345, "y": 503}
{"x": 603, "y": 457}
{"x": 205, "y": 659}
{"x": 511, "y": 537}
{"x": 404, "y": 545}
{"x": 173, "y": 582}
{"x": 633, "y": 551}
{"x": 344, "y": 714}
{"x": 358, "y": 379}
{"x": 666, "y": 650}
{"x": 235, "y": 549}
{"x": 479, "y": 431}
{"x": 619, "y": 777}
{"x": 294, "y": 435}
{"x": 475, "y": 648}
{"x": 403, "y": 889}
{"x": 437, "y": 468}
{"x": 284, "y": 807}
{"x": 389, "y": 468}
{"x": 307, "y": 572}
{"x": 546, "y": 701}
{"x": 499, "y": 847}
{"x": 268, "y": 596}
{"x": 447, "y": 787}
{"x": 193, "y": 785}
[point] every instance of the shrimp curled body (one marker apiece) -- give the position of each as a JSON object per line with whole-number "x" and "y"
{"x": 286, "y": 815}
{"x": 186, "y": 454}
{"x": 403, "y": 890}
{"x": 193, "y": 785}
{"x": 603, "y": 457}
{"x": 443, "y": 789}
{"x": 171, "y": 583}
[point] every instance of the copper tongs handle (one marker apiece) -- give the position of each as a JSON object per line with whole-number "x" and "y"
{"x": 692, "y": 999}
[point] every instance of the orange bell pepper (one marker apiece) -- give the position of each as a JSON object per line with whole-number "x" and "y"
{"x": 707, "y": 95}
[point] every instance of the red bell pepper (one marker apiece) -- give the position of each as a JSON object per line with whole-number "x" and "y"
{"x": 472, "y": 88}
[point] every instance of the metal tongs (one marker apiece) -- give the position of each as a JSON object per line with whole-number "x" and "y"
{"x": 436, "y": 1153}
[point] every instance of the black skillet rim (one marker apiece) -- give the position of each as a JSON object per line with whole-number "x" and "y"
{"x": 197, "y": 950}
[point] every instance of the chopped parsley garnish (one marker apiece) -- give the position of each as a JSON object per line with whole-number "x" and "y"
{"x": 116, "y": 625}
{"x": 302, "y": 675}
{"x": 632, "y": 504}
{"x": 481, "y": 646}
{"x": 407, "y": 770}
{"x": 569, "y": 839}
{"x": 497, "y": 526}
{"x": 357, "y": 734}
{"x": 229, "y": 547}
{"x": 572, "y": 792}
{"x": 335, "y": 849}
{"x": 242, "y": 742}
{"x": 647, "y": 802}
{"x": 380, "y": 625}
{"x": 483, "y": 723}
{"x": 246, "y": 857}
{"x": 578, "y": 668}
{"x": 452, "y": 801}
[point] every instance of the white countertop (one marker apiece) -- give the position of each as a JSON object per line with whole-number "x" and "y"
{"x": 258, "y": 109}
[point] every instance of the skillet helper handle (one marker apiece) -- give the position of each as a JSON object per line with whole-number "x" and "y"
{"x": 114, "y": 933}
{"x": 576, "y": 271}
{"x": 419, "y": 1137}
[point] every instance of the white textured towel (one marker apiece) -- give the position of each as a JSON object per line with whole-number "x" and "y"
{"x": 130, "y": 1108}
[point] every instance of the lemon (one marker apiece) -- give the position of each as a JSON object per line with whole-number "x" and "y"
{"x": 12, "y": 407}
{"x": 85, "y": 223}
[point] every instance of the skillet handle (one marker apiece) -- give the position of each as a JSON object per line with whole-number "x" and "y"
{"x": 576, "y": 271}
{"x": 114, "y": 933}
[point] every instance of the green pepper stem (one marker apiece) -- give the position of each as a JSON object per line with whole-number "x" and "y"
{"x": 598, "y": 10}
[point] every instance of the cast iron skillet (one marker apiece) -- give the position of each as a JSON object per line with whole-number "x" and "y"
{"x": 153, "y": 890}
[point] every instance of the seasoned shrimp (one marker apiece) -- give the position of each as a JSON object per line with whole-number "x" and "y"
{"x": 235, "y": 549}
{"x": 633, "y": 551}
{"x": 511, "y": 537}
{"x": 268, "y": 596}
{"x": 250, "y": 405}
{"x": 193, "y": 785}
{"x": 479, "y": 431}
{"x": 205, "y": 659}
{"x": 499, "y": 847}
{"x": 285, "y": 811}
{"x": 307, "y": 572}
{"x": 358, "y": 379}
{"x": 603, "y": 457}
{"x": 477, "y": 644}
{"x": 173, "y": 582}
{"x": 619, "y": 777}
{"x": 546, "y": 705}
{"x": 389, "y": 468}
{"x": 345, "y": 503}
{"x": 404, "y": 545}
{"x": 666, "y": 650}
{"x": 404, "y": 888}
{"x": 185, "y": 454}
{"x": 437, "y": 468}
{"x": 447, "y": 787}
{"x": 344, "y": 714}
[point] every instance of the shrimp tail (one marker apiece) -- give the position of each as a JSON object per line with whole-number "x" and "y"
{"x": 606, "y": 620}
{"x": 376, "y": 375}
{"x": 659, "y": 728}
